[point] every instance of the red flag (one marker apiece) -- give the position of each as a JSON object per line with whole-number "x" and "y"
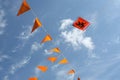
{"x": 81, "y": 23}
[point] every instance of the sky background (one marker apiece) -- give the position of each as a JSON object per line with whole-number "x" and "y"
{"x": 93, "y": 53}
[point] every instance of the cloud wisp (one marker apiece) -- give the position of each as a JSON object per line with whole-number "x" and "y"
{"x": 62, "y": 74}
{"x": 105, "y": 67}
{"x": 26, "y": 34}
{"x": 35, "y": 47}
{"x": 3, "y": 57}
{"x": 3, "y": 22}
{"x": 17, "y": 66}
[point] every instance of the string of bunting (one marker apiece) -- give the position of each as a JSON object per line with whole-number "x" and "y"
{"x": 80, "y": 23}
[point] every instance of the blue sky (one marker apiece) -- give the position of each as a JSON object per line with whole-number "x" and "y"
{"x": 94, "y": 53}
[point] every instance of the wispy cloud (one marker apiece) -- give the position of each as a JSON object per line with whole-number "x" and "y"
{"x": 19, "y": 65}
{"x": 37, "y": 72}
{"x": 47, "y": 52}
{"x": 6, "y": 77}
{"x": 54, "y": 66}
{"x": 114, "y": 40}
{"x": 106, "y": 67}
{"x": 2, "y": 21}
{"x": 26, "y": 34}
{"x": 65, "y": 23}
{"x": 62, "y": 74}
{"x": 117, "y": 40}
{"x": 35, "y": 47}
{"x": 75, "y": 37}
{"x": 22, "y": 62}
{"x": 3, "y": 57}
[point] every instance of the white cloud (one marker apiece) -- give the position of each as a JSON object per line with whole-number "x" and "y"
{"x": 2, "y": 21}
{"x": 47, "y": 52}
{"x": 19, "y": 64}
{"x": 75, "y": 37}
{"x": 61, "y": 75}
{"x": 37, "y": 72}
{"x": 117, "y": 40}
{"x": 114, "y": 40}
{"x": 65, "y": 23}
{"x": 3, "y": 57}
{"x": 35, "y": 47}
{"x": 26, "y": 34}
{"x": 54, "y": 67}
{"x": 87, "y": 42}
{"x": 92, "y": 55}
{"x": 6, "y": 77}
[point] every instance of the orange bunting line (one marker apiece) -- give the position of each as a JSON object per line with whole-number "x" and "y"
{"x": 63, "y": 61}
{"x": 24, "y": 8}
{"x": 71, "y": 72}
{"x": 37, "y": 24}
{"x": 42, "y": 68}
{"x": 33, "y": 78}
{"x": 46, "y": 38}
{"x": 52, "y": 59}
{"x": 57, "y": 50}
{"x": 78, "y": 78}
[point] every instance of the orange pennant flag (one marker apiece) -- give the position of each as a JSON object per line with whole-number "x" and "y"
{"x": 78, "y": 78}
{"x": 37, "y": 24}
{"x": 71, "y": 72}
{"x": 52, "y": 59}
{"x": 42, "y": 68}
{"x": 57, "y": 50}
{"x": 63, "y": 61}
{"x": 24, "y": 8}
{"x": 33, "y": 78}
{"x": 46, "y": 38}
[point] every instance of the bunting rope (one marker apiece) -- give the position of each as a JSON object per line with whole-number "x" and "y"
{"x": 81, "y": 25}
{"x": 24, "y": 5}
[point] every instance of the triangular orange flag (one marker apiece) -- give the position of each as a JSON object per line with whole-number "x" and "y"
{"x": 78, "y": 78}
{"x": 52, "y": 59}
{"x": 42, "y": 68}
{"x": 63, "y": 61}
{"x": 57, "y": 50}
{"x": 71, "y": 72}
{"x": 33, "y": 78}
{"x": 37, "y": 24}
{"x": 46, "y": 38}
{"x": 24, "y": 8}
